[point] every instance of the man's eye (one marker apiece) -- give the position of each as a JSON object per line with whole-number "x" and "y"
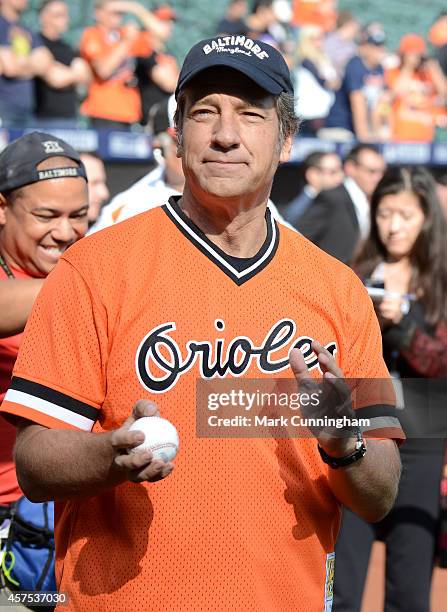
{"x": 202, "y": 112}
{"x": 44, "y": 217}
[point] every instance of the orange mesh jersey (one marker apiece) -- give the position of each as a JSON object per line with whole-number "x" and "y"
{"x": 9, "y": 347}
{"x": 143, "y": 310}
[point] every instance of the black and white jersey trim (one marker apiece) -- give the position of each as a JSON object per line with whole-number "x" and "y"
{"x": 380, "y": 416}
{"x": 376, "y": 410}
{"x": 51, "y": 403}
{"x": 216, "y": 255}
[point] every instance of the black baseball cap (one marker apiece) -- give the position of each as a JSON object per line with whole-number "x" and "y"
{"x": 259, "y": 61}
{"x": 19, "y": 160}
{"x": 372, "y": 34}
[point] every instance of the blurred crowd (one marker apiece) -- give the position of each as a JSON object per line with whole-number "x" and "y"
{"x": 119, "y": 71}
{"x": 350, "y": 83}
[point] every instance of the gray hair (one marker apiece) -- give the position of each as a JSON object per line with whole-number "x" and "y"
{"x": 289, "y": 122}
{"x": 285, "y": 109}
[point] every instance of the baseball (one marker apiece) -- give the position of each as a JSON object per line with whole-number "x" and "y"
{"x": 161, "y": 437}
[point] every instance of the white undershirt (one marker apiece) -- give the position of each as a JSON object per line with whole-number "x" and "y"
{"x": 361, "y": 205}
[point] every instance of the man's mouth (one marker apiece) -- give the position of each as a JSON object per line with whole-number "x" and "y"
{"x": 223, "y": 161}
{"x": 54, "y": 252}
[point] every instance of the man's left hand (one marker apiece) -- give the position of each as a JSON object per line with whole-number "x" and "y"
{"x": 334, "y": 400}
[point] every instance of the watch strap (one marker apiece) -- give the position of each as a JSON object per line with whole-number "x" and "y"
{"x": 340, "y": 462}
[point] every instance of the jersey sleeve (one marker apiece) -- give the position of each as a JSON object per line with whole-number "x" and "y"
{"x": 36, "y": 41}
{"x": 91, "y": 47}
{"x": 59, "y": 377}
{"x": 142, "y": 46}
{"x": 373, "y": 392}
{"x": 354, "y": 76}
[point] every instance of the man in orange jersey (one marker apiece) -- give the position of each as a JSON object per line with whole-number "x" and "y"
{"x": 160, "y": 311}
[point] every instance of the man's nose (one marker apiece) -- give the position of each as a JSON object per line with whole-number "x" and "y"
{"x": 226, "y": 132}
{"x": 63, "y": 230}
{"x": 105, "y": 194}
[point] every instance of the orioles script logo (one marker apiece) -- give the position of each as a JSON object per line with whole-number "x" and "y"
{"x": 159, "y": 350}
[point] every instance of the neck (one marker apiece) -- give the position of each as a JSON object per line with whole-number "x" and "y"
{"x": 5, "y": 261}
{"x": 352, "y": 180}
{"x": 238, "y": 230}
{"x": 9, "y": 13}
{"x": 403, "y": 263}
{"x": 368, "y": 63}
{"x": 405, "y": 68}
{"x": 398, "y": 274}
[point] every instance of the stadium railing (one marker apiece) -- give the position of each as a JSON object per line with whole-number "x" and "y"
{"x": 136, "y": 147}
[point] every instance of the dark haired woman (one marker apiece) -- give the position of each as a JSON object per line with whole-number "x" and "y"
{"x": 406, "y": 254}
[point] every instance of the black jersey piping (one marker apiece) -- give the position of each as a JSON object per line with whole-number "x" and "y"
{"x": 216, "y": 255}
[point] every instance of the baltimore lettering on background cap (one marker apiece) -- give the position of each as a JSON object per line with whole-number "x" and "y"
{"x": 19, "y": 160}
{"x": 259, "y": 61}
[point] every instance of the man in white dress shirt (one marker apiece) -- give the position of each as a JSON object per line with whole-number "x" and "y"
{"x": 338, "y": 220}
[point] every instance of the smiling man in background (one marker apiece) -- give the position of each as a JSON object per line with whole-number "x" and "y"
{"x": 43, "y": 210}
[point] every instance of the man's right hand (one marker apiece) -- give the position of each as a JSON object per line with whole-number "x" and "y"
{"x": 140, "y": 466}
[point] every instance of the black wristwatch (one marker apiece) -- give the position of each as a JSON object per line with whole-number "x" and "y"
{"x": 340, "y": 462}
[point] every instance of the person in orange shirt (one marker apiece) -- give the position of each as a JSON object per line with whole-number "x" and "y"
{"x": 417, "y": 90}
{"x": 110, "y": 48}
{"x": 39, "y": 219}
{"x": 437, "y": 34}
{"x": 157, "y": 74}
{"x": 321, "y": 13}
{"x": 162, "y": 311}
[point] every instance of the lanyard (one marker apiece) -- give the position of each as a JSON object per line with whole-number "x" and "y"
{"x": 6, "y": 268}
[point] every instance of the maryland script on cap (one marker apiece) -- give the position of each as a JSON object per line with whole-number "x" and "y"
{"x": 233, "y": 44}
{"x": 255, "y": 59}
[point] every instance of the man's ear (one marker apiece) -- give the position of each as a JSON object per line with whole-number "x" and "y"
{"x": 285, "y": 150}
{"x": 3, "y": 206}
{"x": 311, "y": 176}
{"x": 349, "y": 167}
